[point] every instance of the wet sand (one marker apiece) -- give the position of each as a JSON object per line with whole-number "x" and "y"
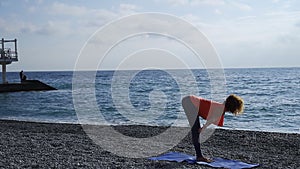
{"x": 46, "y": 145}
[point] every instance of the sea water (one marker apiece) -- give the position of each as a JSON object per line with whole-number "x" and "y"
{"x": 153, "y": 97}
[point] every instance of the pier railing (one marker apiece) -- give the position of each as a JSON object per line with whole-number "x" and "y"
{"x": 8, "y": 56}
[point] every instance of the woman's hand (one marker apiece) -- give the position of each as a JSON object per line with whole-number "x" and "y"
{"x": 203, "y": 127}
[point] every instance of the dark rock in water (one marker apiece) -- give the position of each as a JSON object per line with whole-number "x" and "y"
{"x": 27, "y": 85}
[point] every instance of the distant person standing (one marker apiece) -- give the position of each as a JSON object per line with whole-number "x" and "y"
{"x": 22, "y": 76}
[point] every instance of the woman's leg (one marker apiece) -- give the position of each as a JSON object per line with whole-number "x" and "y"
{"x": 192, "y": 114}
{"x": 195, "y": 137}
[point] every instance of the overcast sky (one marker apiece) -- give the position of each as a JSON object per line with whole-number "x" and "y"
{"x": 251, "y": 33}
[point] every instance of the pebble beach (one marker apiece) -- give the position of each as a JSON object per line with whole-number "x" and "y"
{"x": 53, "y": 145}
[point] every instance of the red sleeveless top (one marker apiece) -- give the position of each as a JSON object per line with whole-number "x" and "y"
{"x": 209, "y": 110}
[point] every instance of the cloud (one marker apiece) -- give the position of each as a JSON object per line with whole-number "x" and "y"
{"x": 178, "y": 2}
{"x": 218, "y": 12}
{"x": 23, "y": 27}
{"x": 83, "y": 12}
{"x": 54, "y": 27}
{"x": 128, "y": 7}
{"x": 208, "y": 2}
{"x": 254, "y": 40}
{"x": 196, "y": 2}
{"x": 241, "y": 6}
{"x": 217, "y": 7}
{"x": 61, "y": 8}
{"x": 39, "y": 1}
{"x": 32, "y": 9}
{"x": 14, "y": 26}
{"x": 275, "y": 1}
{"x": 88, "y": 18}
{"x": 191, "y": 18}
{"x": 244, "y": 31}
{"x": 97, "y": 18}
{"x": 265, "y": 38}
{"x": 69, "y": 19}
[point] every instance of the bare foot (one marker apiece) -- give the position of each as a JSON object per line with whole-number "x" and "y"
{"x": 203, "y": 159}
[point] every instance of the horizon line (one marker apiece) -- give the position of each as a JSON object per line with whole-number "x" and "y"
{"x": 87, "y": 70}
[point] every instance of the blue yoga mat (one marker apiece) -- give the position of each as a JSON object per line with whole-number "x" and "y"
{"x": 217, "y": 162}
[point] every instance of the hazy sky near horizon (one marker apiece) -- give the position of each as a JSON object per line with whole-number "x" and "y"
{"x": 245, "y": 33}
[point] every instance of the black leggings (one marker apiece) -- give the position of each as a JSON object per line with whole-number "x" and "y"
{"x": 195, "y": 137}
{"x": 189, "y": 107}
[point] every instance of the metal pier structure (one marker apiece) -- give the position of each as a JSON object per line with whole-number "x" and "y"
{"x": 8, "y": 55}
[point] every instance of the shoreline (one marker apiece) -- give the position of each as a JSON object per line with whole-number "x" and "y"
{"x": 64, "y": 145}
{"x": 217, "y": 128}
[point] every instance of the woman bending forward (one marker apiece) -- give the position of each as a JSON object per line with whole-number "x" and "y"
{"x": 213, "y": 112}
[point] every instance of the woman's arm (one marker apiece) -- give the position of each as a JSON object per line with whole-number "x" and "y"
{"x": 210, "y": 121}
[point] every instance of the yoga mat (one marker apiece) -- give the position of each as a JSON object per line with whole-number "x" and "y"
{"x": 217, "y": 162}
